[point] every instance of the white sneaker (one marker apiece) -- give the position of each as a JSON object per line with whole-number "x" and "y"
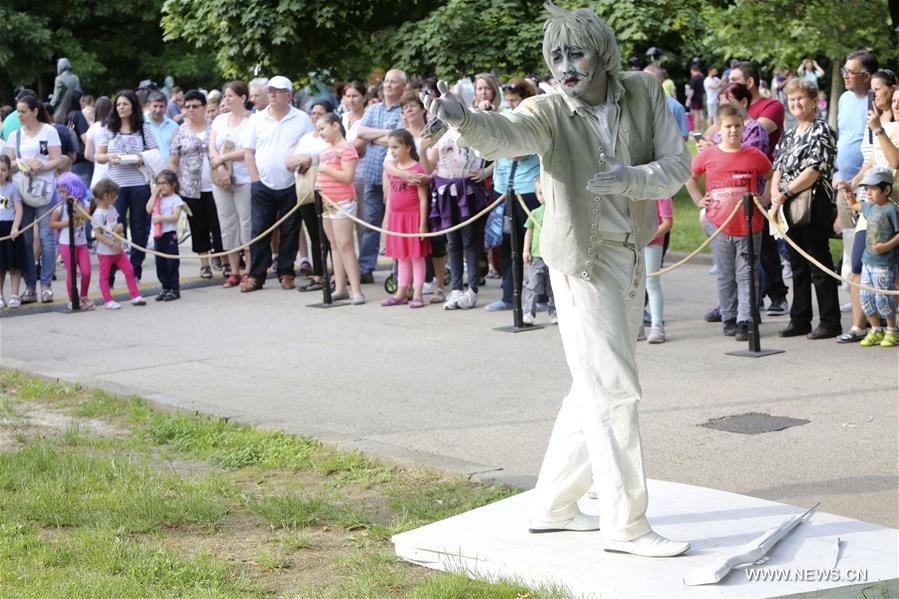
{"x": 452, "y": 302}
{"x": 468, "y": 300}
{"x": 113, "y": 305}
{"x": 138, "y": 301}
{"x": 427, "y": 288}
{"x": 651, "y": 544}
{"x": 554, "y": 318}
{"x": 528, "y": 318}
{"x": 580, "y": 523}
{"x": 656, "y": 335}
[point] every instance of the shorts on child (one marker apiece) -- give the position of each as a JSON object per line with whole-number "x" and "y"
{"x": 12, "y": 252}
{"x": 881, "y": 277}
{"x": 329, "y": 211}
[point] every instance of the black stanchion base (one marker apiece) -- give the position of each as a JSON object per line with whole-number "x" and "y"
{"x": 325, "y": 306}
{"x": 748, "y": 353}
{"x": 515, "y": 329}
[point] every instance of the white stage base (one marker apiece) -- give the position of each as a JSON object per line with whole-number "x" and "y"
{"x": 492, "y": 543}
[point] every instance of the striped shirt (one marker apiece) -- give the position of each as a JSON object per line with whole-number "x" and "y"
{"x": 127, "y": 175}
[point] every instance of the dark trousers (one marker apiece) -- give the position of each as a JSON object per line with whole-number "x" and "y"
{"x": 461, "y": 242}
{"x": 267, "y": 205}
{"x": 167, "y": 268}
{"x": 373, "y": 211}
{"x": 205, "y": 232}
{"x": 132, "y": 208}
{"x": 309, "y": 218}
{"x": 772, "y": 275}
{"x": 814, "y": 238}
{"x": 521, "y": 218}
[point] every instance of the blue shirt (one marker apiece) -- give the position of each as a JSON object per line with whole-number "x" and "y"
{"x": 525, "y": 175}
{"x": 852, "y": 120}
{"x": 680, "y": 115}
{"x": 378, "y": 117}
{"x": 163, "y": 134}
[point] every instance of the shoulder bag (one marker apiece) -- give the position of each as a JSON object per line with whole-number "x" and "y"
{"x": 35, "y": 192}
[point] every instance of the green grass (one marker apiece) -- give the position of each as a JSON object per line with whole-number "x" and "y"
{"x": 159, "y": 506}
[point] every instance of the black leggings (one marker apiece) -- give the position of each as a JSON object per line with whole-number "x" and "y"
{"x": 205, "y": 232}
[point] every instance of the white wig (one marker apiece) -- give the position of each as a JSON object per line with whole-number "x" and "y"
{"x": 583, "y": 28}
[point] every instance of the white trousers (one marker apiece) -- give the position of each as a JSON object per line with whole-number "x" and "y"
{"x": 596, "y": 437}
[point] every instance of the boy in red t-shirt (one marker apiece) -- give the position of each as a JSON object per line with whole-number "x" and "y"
{"x": 730, "y": 171}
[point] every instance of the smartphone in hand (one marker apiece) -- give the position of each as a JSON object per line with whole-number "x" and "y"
{"x": 697, "y": 136}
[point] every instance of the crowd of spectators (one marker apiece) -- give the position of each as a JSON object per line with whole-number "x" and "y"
{"x": 236, "y": 154}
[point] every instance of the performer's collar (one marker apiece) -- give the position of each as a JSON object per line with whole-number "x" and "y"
{"x": 613, "y": 96}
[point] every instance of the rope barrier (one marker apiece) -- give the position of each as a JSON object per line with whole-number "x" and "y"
{"x": 677, "y": 264}
{"x": 212, "y": 255}
{"x": 31, "y": 224}
{"x": 811, "y": 259}
{"x": 361, "y": 222}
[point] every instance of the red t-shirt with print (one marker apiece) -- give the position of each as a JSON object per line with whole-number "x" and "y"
{"x": 729, "y": 175}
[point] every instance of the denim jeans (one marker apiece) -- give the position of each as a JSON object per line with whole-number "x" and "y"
{"x": 373, "y": 212}
{"x": 731, "y": 255}
{"x": 132, "y": 206}
{"x": 267, "y": 207}
{"x": 48, "y": 245}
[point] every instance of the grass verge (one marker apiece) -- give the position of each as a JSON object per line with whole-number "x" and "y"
{"x": 106, "y": 496}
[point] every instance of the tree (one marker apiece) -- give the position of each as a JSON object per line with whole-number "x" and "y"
{"x": 112, "y": 44}
{"x": 286, "y": 36}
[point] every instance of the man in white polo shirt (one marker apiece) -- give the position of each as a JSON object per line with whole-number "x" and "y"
{"x": 268, "y": 141}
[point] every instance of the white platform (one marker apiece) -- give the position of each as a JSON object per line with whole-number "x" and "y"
{"x": 492, "y": 542}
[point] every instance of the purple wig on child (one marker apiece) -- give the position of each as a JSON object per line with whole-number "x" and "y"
{"x": 72, "y": 185}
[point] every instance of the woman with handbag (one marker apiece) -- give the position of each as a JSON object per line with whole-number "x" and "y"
{"x": 123, "y": 141}
{"x": 803, "y": 169}
{"x": 230, "y": 179}
{"x": 35, "y": 154}
{"x": 189, "y": 157}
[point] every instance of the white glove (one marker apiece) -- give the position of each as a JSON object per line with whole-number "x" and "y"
{"x": 447, "y": 107}
{"x": 613, "y": 177}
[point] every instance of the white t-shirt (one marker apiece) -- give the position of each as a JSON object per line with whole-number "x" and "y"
{"x": 224, "y": 133}
{"x": 273, "y": 141}
{"x": 351, "y": 134}
{"x": 9, "y": 195}
{"x": 80, "y": 221}
{"x": 95, "y": 134}
{"x": 310, "y": 145}
{"x": 36, "y": 147}
{"x": 711, "y": 93}
{"x": 108, "y": 218}
{"x": 167, "y": 207}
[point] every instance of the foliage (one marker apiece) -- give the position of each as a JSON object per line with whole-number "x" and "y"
{"x": 778, "y": 32}
{"x": 286, "y": 36}
{"x": 112, "y": 44}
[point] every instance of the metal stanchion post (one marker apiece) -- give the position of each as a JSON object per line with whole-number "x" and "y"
{"x": 327, "y": 300}
{"x": 755, "y": 350}
{"x": 517, "y": 264}
{"x": 76, "y": 303}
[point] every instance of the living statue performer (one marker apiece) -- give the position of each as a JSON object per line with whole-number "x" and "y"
{"x": 607, "y": 144}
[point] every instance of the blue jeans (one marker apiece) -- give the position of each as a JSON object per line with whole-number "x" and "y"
{"x": 48, "y": 245}
{"x": 267, "y": 207}
{"x": 373, "y": 212}
{"x": 132, "y": 202}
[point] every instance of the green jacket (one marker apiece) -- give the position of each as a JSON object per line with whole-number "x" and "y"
{"x": 558, "y": 129}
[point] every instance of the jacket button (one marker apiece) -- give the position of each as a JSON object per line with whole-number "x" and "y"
{"x": 596, "y": 198}
{"x": 595, "y": 211}
{"x": 593, "y": 238}
{"x": 628, "y": 212}
{"x": 585, "y": 275}
{"x": 631, "y": 295}
{"x": 593, "y": 226}
{"x": 589, "y": 250}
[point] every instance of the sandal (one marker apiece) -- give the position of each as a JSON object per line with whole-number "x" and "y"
{"x": 231, "y": 281}
{"x": 394, "y": 301}
{"x": 205, "y": 272}
{"x": 311, "y": 285}
{"x": 287, "y": 282}
{"x": 851, "y": 337}
{"x": 14, "y": 302}
{"x": 226, "y": 271}
{"x": 340, "y": 295}
{"x": 416, "y": 303}
{"x": 250, "y": 284}
{"x": 439, "y": 296}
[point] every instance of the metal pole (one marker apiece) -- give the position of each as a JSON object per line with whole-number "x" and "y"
{"x": 517, "y": 264}
{"x": 754, "y": 343}
{"x": 70, "y": 207}
{"x": 323, "y": 249}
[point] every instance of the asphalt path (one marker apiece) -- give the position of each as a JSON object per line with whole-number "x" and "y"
{"x": 446, "y": 390}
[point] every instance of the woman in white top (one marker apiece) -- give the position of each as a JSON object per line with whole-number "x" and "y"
{"x": 125, "y": 137}
{"x": 37, "y": 144}
{"x": 102, "y": 108}
{"x": 310, "y": 146}
{"x": 354, "y": 99}
{"x": 231, "y": 183}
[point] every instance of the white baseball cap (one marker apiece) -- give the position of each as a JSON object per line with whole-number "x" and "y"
{"x": 279, "y": 83}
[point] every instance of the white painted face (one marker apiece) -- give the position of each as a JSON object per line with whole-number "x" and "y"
{"x": 574, "y": 68}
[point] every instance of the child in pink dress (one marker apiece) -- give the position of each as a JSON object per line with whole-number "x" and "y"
{"x": 406, "y": 212}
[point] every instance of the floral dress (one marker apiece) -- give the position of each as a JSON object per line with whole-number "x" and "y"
{"x": 192, "y": 150}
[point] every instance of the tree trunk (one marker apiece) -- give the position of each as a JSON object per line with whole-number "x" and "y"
{"x": 836, "y": 88}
